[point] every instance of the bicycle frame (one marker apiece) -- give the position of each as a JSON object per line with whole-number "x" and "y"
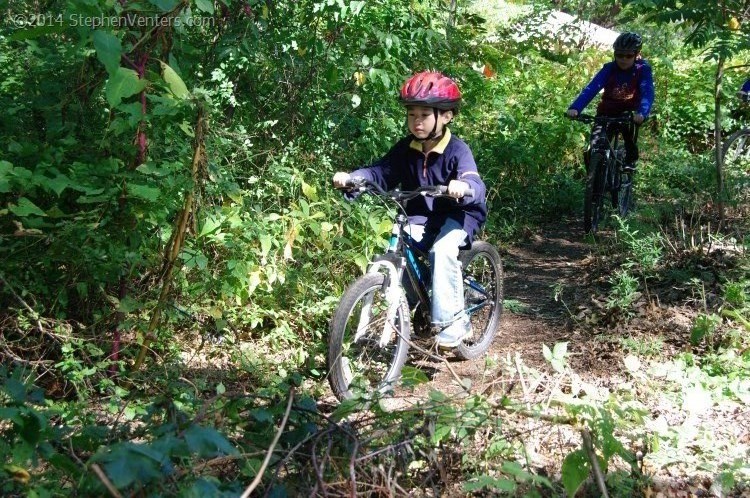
{"x": 610, "y": 153}
{"x": 606, "y": 175}
{"x": 371, "y": 327}
{"x": 403, "y": 255}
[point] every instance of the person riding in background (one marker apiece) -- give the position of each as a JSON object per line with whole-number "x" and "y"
{"x": 431, "y": 155}
{"x": 628, "y": 86}
{"x": 744, "y": 93}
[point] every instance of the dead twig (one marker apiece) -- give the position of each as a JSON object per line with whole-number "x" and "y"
{"x": 588, "y": 446}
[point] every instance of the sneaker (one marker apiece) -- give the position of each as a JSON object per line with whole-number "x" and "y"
{"x": 452, "y": 335}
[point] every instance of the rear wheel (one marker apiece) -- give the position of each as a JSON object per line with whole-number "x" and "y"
{"x": 357, "y": 362}
{"x": 736, "y": 152}
{"x": 593, "y": 199}
{"x": 483, "y": 294}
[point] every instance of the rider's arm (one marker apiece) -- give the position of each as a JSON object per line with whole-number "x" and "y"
{"x": 746, "y": 87}
{"x": 590, "y": 91}
{"x": 647, "y": 91}
{"x": 382, "y": 171}
{"x": 467, "y": 172}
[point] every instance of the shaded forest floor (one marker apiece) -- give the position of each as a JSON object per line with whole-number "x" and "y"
{"x": 557, "y": 289}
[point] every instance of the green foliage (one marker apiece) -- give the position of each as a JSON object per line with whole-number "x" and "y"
{"x": 102, "y": 151}
{"x": 644, "y": 251}
{"x": 704, "y": 327}
{"x": 624, "y": 291}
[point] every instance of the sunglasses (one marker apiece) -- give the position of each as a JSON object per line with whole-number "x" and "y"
{"x": 620, "y": 55}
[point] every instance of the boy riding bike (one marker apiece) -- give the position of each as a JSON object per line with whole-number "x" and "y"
{"x": 628, "y": 87}
{"x": 431, "y": 155}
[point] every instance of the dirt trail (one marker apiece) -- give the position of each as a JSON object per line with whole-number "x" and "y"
{"x": 546, "y": 264}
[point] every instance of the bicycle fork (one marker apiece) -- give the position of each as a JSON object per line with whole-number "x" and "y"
{"x": 393, "y": 293}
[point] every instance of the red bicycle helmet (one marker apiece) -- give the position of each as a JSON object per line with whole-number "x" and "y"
{"x": 431, "y": 89}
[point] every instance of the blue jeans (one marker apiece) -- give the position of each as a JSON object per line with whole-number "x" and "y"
{"x": 447, "y": 279}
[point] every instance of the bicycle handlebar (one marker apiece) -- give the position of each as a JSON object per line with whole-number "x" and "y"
{"x": 364, "y": 185}
{"x": 588, "y": 118}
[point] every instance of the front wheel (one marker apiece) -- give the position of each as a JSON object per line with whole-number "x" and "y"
{"x": 366, "y": 351}
{"x": 594, "y": 196}
{"x": 625, "y": 197}
{"x": 483, "y": 294}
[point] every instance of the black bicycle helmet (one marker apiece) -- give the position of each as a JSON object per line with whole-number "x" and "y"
{"x": 628, "y": 42}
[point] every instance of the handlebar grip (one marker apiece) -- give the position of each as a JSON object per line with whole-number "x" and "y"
{"x": 469, "y": 192}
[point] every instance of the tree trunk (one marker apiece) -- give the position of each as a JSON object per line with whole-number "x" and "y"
{"x": 452, "y": 14}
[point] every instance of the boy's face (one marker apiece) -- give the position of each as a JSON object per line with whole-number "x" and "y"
{"x": 421, "y": 120}
{"x": 625, "y": 60}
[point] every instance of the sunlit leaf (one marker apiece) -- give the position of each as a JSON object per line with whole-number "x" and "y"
{"x": 174, "y": 82}
{"x": 575, "y": 470}
{"x": 25, "y": 208}
{"x": 122, "y": 84}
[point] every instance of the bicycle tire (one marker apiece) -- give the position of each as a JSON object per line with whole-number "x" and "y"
{"x": 481, "y": 265}
{"x": 363, "y": 366}
{"x": 593, "y": 199}
{"x": 736, "y": 154}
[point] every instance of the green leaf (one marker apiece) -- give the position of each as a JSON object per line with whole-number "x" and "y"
{"x": 164, "y": 5}
{"x": 108, "y": 50}
{"x": 205, "y": 5}
{"x": 25, "y": 208}
{"x": 210, "y": 225}
{"x": 5, "y": 172}
{"x": 575, "y": 470}
{"x": 265, "y": 244}
{"x": 15, "y": 389}
{"x": 490, "y": 483}
{"x": 175, "y": 83}
{"x": 123, "y": 84}
{"x": 411, "y": 376}
{"x": 126, "y": 464}
{"x": 144, "y": 192}
{"x": 348, "y": 407}
{"x": 58, "y": 184}
{"x": 128, "y": 304}
{"x": 441, "y": 432}
{"x": 208, "y": 442}
{"x": 310, "y": 191}
{"x": 261, "y": 415}
{"x": 560, "y": 350}
{"x": 546, "y": 352}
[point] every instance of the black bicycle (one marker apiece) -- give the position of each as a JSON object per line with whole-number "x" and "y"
{"x": 371, "y": 328}
{"x": 736, "y": 154}
{"x": 605, "y": 173}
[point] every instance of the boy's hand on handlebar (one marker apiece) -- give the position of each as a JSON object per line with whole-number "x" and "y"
{"x": 638, "y": 118}
{"x": 457, "y": 188}
{"x": 572, "y": 113}
{"x": 341, "y": 179}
